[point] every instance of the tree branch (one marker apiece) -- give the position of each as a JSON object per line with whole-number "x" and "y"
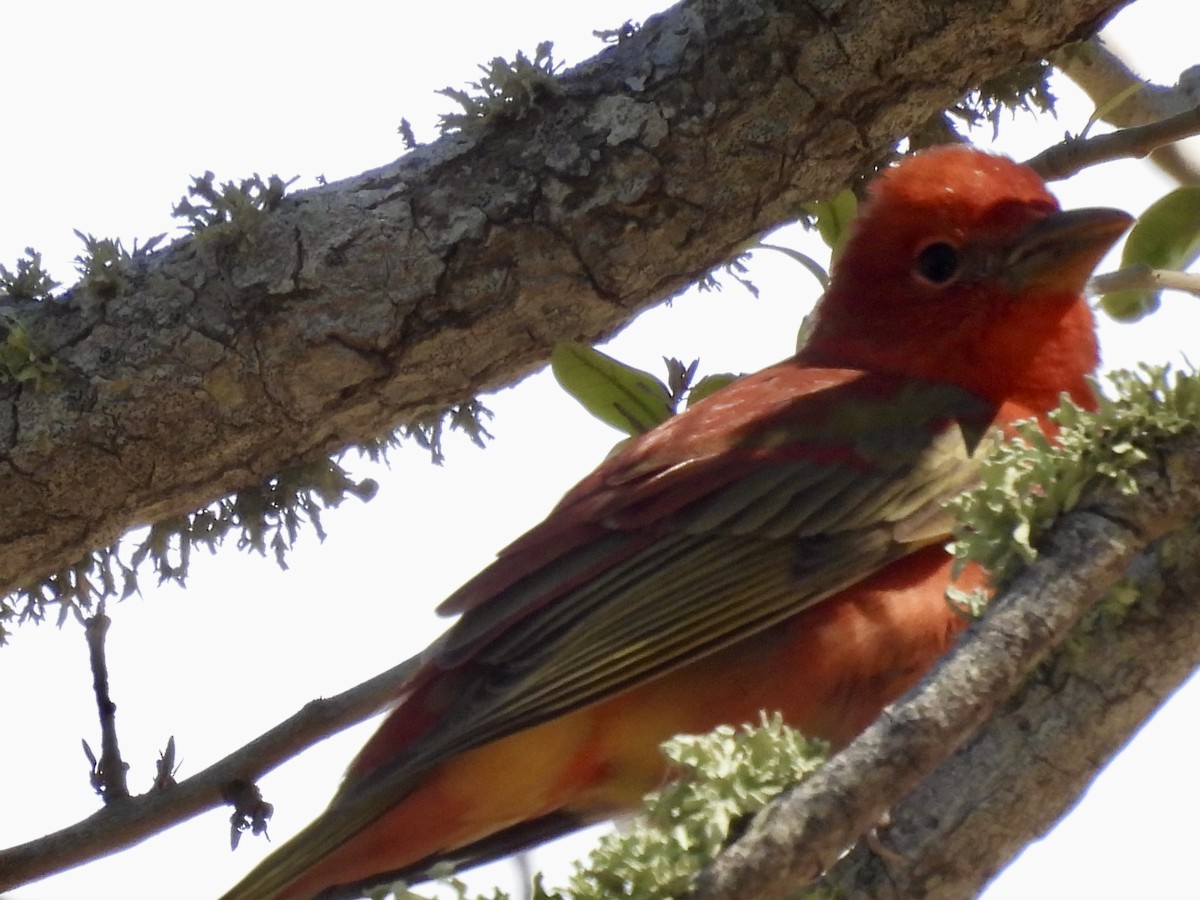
{"x": 356, "y": 306}
{"x": 1142, "y": 277}
{"x": 131, "y": 820}
{"x": 110, "y": 771}
{"x": 1104, "y": 76}
{"x": 1075, "y": 154}
{"x": 803, "y": 833}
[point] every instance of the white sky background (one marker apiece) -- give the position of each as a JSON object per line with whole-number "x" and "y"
{"x": 109, "y": 109}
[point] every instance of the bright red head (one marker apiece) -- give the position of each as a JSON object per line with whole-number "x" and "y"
{"x": 961, "y": 268}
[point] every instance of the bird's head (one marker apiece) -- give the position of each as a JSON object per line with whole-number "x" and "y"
{"x": 962, "y": 268}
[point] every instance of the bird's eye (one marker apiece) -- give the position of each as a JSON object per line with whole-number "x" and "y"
{"x": 937, "y": 264}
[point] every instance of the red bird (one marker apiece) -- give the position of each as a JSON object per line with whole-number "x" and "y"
{"x": 778, "y": 546}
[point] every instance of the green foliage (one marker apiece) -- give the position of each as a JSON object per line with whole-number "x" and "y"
{"x": 626, "y": 398}
{"x": 20, "y": 360}
{"x": 1028, "y": 483}
{"x": 1165, "y": 236}
{"x": 269, "y": 517}
{"x": 230, "y": 212}
{"x": 629, "y": 399}
{"x": 507, "y": 90}
{"x": 833, "y": 219}
{"x": 30, "y": 282}
{"x": 709, "y": 385}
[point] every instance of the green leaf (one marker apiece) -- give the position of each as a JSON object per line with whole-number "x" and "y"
{"x": 710, "y": 384}
{"x": 834, "y": 218}
{"x": 626, "y": 398}
{"x": 1166, "y": 236}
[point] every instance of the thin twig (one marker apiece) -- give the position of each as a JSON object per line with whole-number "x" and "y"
{"x": 814, "y": 268}
{"x": 1127, "y": 100}
{"x": 1141, "y": 277}
{"x": 137, "y": 818}
{"x": 110, "y": 774}
{"x": 1074, "y": 155}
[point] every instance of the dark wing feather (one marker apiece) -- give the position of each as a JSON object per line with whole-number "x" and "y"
{"x": 766, "y": 498}
{"x": 705, "y": 531}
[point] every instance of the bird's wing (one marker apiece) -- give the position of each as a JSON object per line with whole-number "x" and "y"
{"x": 768, "y": 497}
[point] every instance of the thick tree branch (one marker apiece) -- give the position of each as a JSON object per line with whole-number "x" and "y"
{"x": 1030, "y": 764}
{"x": 975, "y": 809}
{"x": 359, "y": 305}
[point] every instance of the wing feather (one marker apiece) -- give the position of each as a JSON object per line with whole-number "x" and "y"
{"x": 792, "y": 514}
{"x": 768, "y": 497}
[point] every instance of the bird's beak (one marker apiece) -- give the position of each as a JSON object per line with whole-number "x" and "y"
{"x": 1059, "y": 252}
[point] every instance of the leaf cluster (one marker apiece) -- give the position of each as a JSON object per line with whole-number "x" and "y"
{"x": 1165, "y": 236}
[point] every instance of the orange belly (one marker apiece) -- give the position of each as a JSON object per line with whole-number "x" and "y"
{"x": 829, "y": 670}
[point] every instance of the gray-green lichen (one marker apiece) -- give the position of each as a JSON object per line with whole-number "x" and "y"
{"x": 721, "y": 780}
{"x": 1028, "y": 483}
{"x": 21, "y": 362}
{"x": 507, "y": 90}
{"x": 105, "y": 267}
{"x": 230, "y": 212}
{"x": 30, "y": 282}
{"x": 427, "y": 430}
{"x": 268, "y": 518}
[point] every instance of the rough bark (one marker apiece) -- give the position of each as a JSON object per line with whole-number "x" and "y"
{"x": 358, "y": 305}
{"x": 994, "y": 747}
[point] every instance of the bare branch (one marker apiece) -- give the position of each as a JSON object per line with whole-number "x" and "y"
{"x": 802, "y": 835}
{"x": 1076, "y": 154}
{"x": 110, "y": 771}
{"x": 1104, "y": 76}
{"x": 135, "y": 819}
{"x": 1142, "y": 277}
